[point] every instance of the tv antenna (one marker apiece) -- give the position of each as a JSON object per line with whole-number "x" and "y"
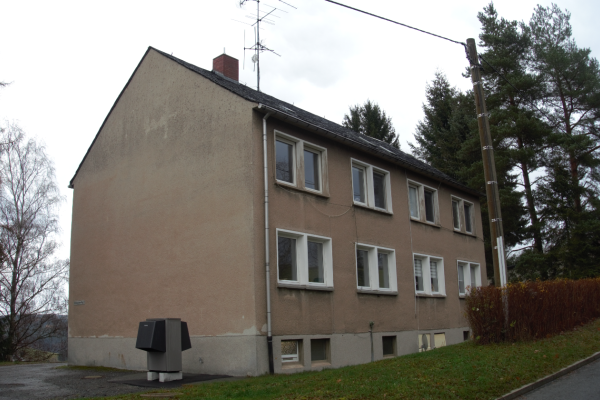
{"x": 258, "y": 46}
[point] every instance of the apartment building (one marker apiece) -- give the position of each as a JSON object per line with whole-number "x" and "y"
{"x": 286, "y": 241}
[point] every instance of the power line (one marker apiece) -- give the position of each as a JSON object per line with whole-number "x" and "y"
{"x": 397, "y": 23}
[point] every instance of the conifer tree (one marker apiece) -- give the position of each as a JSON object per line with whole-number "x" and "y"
{"x": 369, "y": 119}
{"x": 506, "y": 46}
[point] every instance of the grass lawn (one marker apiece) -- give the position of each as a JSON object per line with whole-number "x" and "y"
{"x": 463, "y": 371}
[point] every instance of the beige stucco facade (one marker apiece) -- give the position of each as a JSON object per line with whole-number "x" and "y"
{"x": 168, "y": 221}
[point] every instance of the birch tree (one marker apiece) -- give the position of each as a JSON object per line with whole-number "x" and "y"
{"x": 31, "y": 277}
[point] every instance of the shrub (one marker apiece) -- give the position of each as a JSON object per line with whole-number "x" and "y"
{"x": 531, "y": 310}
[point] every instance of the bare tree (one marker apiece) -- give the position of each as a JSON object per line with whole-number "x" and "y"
{"x": 31, "y": 277}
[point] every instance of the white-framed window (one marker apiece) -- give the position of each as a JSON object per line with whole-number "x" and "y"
{"x": 462, "y": 215}
{"x": 371, "y": 186}
{"x": 469, "y": 276}
{"x": 300, "y": 164}
{"x": 429, "y": 274}
{"x": 423, "y": 203}
{"x": 290, "y": 351}
{"x": 304, "y": 259}
{"x": 375, "y": 268}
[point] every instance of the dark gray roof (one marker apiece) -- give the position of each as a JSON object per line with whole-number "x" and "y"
{"x": 349, "y": 136}
{"x": 374, "y": 145}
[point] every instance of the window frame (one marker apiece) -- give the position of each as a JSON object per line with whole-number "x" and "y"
{"x": 461, "y": 215}
{"x": 285, "y": 359}
{"x": 302, "y": 272}
{"x": 426, "y": 267}
{"x": 373, "y": 252}
{"x": 369, "y": 186}
{"x": 299, "y": 180}
{"x": 421, "y": 206}
{"x": 465, "y": 265}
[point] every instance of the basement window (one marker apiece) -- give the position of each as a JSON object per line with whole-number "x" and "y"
{"x": 439, "y": 340}
{"x": 389, "y": 346}
{"x": 290, "y": 351}
{"x": 424, "y": 340}
{"x": 319, "y": 351}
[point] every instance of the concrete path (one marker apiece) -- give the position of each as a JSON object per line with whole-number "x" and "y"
{"x": 581, "y": 384}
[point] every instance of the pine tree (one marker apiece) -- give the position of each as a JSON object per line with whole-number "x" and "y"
{"x": 506, "y": 46}
{"x": 569, "y": 191}
{"x": 369, "y": 119}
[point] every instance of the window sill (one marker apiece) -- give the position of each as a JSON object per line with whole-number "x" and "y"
{"x": 292, "y": 365}
{"x": 377, "y": 292}
{"x": 433, "y": 225}
{"x": 465, "y": 233}
{"x": 320, "y": 364}
{"x": 304, "y": 287}
{"x": 288, "y": 185}
{"x": 366, "y": 207}
{"x": 431, "y": 295}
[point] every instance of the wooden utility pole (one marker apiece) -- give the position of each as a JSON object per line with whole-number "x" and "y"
{"x": 489, "y": 168}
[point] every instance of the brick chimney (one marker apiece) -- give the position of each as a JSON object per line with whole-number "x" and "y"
{"x": 227, "y": 66}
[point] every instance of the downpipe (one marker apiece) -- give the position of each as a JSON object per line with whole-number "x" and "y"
{"x": 267, "y": 266}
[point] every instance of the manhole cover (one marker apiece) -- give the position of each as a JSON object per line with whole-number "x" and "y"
{"x": 160, "y": 394}
{"x": 92, "y": 377}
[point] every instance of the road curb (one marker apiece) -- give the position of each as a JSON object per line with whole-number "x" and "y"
{"x": 541, "y": 382}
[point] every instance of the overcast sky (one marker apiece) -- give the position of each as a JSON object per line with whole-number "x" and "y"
{"x": 68, "y": 60}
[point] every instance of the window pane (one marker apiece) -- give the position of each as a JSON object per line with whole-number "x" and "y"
{"x": 311, "y": 170}
{"x": 455, "y": 215}
{"x": 362, "y": 267}
{"x": 440, "y": 340}
{"x": 419, "y": 275}
{"x": 382, "y": 266}
{"x": 434, "y": 276}
{"x": 468, "y": 222}
{"x": 429, "y": 216}
{"x": 388, "y": 345}
{"x": 318, "y": 349}
{"x": 461, "y": 279}
{"x": 379, "y": 188}
{"x": 414, "y": 201}
{"x": 284, "y": 163}
{"x": 473, "y": 276}
{"x": 358, "y": 184}
{"x": 289, "y": 350}
{"x": 286, "y": 248}
{"x": 315, "y": 262}
{"x": 424, "y": 342}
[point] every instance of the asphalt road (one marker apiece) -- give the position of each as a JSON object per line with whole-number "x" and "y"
{"x": 46, "y": 381}
{"x": 581, "y": 384}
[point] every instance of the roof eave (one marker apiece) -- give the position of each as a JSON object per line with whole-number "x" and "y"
{"x": 322, "y": 131}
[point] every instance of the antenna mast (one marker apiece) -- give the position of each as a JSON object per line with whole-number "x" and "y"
{"x": 258, "y": 47}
